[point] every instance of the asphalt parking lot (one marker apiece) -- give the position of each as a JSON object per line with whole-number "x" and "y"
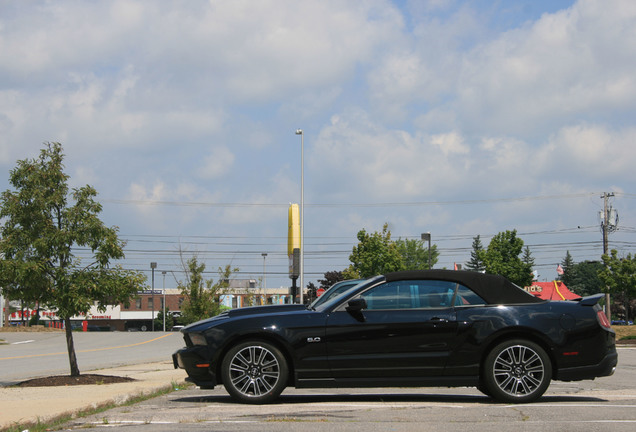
{"x": 606, "y": 404}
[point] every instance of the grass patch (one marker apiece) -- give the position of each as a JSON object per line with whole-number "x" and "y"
{"x": 59, "y": 422}
{"x": 625, "y": 332}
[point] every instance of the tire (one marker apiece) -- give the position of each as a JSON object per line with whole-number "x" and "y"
{"x": 517, "y": 371}
{"x": 254, "y": 372}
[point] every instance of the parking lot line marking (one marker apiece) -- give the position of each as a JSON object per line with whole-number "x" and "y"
{"x": 23, "y": 342}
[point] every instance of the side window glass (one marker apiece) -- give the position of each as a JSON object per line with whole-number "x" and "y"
{"x": 416, "y": 294}
{"x": 385, "y": 296}
{"x": 466, "y": 297}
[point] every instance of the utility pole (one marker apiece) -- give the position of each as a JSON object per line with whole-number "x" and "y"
{"x": 606, "y": 227}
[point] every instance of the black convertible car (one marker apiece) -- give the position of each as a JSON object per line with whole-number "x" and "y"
{"x": 416, "y": 329}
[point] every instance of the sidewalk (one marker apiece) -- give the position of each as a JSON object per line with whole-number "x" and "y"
{"x": 30, "y": 404}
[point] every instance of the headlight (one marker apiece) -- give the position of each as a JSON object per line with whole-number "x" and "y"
{"x": 197, "y": 339}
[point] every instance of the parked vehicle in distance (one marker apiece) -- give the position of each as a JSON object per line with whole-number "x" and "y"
{"x": 622, "y": 322}
{"x": 405, "y": 329}
{"x": 335, "y": 290}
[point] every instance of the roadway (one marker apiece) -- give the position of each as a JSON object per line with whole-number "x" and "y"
{"x": 25, "y": 355}
{"x": 605, "y": 404}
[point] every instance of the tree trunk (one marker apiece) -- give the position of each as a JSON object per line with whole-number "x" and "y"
{"x": 72, "y": 359}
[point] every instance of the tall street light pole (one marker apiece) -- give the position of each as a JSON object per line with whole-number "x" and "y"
{"x": 302, "y": 212}
{"x": 164, "y": 299}
{"x": 153, "y": 266}
{"x": 264, "y": 254}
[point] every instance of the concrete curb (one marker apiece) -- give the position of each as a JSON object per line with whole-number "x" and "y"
{"x": 32, "y": 404}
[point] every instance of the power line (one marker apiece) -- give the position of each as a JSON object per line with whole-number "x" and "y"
{"x": 350, "y": 204}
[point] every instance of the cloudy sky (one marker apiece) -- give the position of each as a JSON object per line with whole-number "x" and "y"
{"x": 459, "y": 118}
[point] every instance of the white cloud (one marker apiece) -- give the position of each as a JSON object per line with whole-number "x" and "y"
{"x": 219, "y": 162}
{"x": 451, "y": 143}
{"x": 571, "y": 64}
{"x": 412, "y": 101}
{"x": 594, "y": 150}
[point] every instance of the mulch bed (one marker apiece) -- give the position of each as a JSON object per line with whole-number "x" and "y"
{"x": 67, "y": 380}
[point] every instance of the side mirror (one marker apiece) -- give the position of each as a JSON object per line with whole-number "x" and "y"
{"x": 355, "y": 308}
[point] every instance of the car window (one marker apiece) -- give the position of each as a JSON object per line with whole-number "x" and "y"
{"x": 335, "y": 290}
{"x": 419, "y": 294}
{"x": 466, "y": 297}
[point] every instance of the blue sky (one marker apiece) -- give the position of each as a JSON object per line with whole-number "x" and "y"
{"x": 459, "y": 118}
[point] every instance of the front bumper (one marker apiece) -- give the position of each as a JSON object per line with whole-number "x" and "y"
{"x": 197, "y": 364}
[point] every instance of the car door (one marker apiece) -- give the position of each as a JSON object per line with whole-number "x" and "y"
{"x": 407, "y": 330}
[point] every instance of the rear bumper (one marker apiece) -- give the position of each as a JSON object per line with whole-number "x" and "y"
{"x": 197, "y": 364}
{"x": 605, "y": 368}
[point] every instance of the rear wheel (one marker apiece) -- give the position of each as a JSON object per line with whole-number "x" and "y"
{"x": 517, "y": 371}
{"x": 254, "y": 372}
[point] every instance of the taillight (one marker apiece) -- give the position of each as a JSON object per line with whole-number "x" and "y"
{"x": 602, "y": 319}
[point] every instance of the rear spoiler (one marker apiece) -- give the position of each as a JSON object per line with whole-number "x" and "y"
{"x": 591, "y": 300}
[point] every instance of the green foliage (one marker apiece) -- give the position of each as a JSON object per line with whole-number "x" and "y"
{"x": 374, "y": 254}
{"x": 502, "y": 258}
{"x": 312, "y": 292}
{"x": 202, "y": 296}
{"x": 527, "y": 257}
{"x": 170, "y": 321}
{"x": 415, "y": 254}
{"x": 331, "y": 278}
{"x": 568, "y": 266}
{"x": 619, "y": 276}
{"x": 582, "y": 278}
{"x": 43, "y": 227}
{"x": 476, "y": 262}
{"x": 377, "y": 254}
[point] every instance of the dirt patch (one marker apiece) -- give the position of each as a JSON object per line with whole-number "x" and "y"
{"x": 67, "y": 380}
{"x": 624, "y": 331}
{"x": 37, "y": 328}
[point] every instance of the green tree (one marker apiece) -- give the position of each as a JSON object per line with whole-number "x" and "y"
{"x": 502, "y": 258}
{"x": 415, "y": 255}
{"x": 619, "y": 275}
{"x": 476, "y": 262}
{"x": 568, "y": 269}
{"x": 330, "y": 278}
{"x": 201, "y": 296}
{"x": 373, "y": 255}
{"x": 582, "y": 278}
{"x": 312, "y": 292}
{"x": 161, "y": 317}
{"x": 42, "y": 229}
{"x": 528, "y": 259}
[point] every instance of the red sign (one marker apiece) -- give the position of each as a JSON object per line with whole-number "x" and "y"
{"x": 320, "y": 291}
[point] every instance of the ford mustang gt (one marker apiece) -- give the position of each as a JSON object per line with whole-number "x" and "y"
{"x": 415, "y": 329}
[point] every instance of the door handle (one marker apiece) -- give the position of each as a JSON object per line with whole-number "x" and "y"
{"x": 438, "y": 320}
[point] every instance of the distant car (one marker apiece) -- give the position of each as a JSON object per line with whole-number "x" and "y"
{"x": 622, "y": 322}
{"x": 405, "y": 329}
{"x": 335, "y": 290}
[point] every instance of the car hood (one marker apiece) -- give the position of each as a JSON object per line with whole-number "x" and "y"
{"x": 269, "y": 309}
{"x": 245, "y": 312}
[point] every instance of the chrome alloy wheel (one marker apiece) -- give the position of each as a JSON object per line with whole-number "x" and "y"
{"x": 254, "y": 371}
{"x": 518, "y": 371}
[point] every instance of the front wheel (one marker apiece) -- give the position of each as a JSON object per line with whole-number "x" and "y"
{"x": 254, "y": 372}
{"x": 517, "y": 371}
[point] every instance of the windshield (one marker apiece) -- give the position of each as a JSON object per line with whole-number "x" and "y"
{"x": 334, "y": 291}
{"x": 337, "y": 298}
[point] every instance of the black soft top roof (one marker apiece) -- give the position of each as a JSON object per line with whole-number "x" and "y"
{"x": 493, "y": 289}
